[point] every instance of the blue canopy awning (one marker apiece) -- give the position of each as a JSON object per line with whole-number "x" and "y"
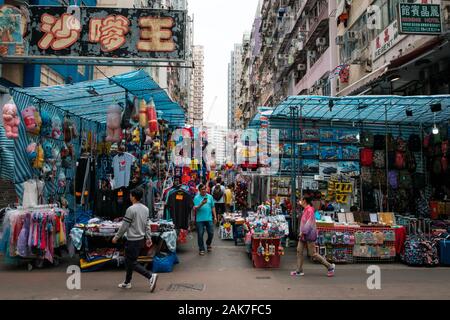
{"x": 374, "y": 109}
{"x": 90, "y": 99}
{"x": 256, "y": 121}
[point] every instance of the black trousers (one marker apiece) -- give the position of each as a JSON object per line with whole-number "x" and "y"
{"x": 132, "y": 251}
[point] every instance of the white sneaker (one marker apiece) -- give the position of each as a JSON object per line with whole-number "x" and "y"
{"x": 125, "y": 285}
{"x": 152, "y": 282}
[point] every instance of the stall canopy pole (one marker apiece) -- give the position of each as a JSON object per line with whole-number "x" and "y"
{"x": 387, "y": 157}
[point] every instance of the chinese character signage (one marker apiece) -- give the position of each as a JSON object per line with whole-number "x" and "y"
{"x": 386, "y": 40}
{"x": 107, "y": 32}
{"x": 415, "y": 18}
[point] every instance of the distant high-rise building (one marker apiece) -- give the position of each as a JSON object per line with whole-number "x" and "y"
{"x": 195, "y": 110}
{"x": 216, "y": 141}
{"x": 234, "y": 73}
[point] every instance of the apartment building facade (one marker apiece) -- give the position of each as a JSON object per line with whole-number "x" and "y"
{"x": 234, "y": 85}
{"x": 195, "y": 111}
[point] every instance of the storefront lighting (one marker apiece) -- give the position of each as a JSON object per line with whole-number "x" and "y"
{"x": 435, "y": 130}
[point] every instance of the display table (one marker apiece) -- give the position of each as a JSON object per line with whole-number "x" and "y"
{"x": 266, "y": 252}
{"x": 352, "y": 244}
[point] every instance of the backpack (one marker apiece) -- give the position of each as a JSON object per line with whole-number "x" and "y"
{"x": 366, "y": 139}
{"x": 401, "y": 144}
{"x": 379, "y": 159}
{"x": 379, "y": 142}
{"x": 217, "y": 192}
{"x": 414, "y": 143}
{"x": 393, "y": 179}
{"x": 366, "y": 157}
{"x": 400, "y": 162}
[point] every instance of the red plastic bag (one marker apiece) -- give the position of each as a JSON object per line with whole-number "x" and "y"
{"x": 182, "y": 236}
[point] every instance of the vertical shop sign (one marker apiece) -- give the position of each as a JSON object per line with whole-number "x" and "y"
{"x": 386, "y": 40}
{"x": 107, "y": 32}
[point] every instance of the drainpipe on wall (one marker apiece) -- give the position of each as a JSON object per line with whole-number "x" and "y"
{"x": 333, "y": 47}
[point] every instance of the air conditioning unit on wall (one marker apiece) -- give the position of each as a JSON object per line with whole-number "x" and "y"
{"x": 353, "y": 35}
{"x": 356, "y": 57}
{"x": 321, "y": 42}
{"x": 301, "y": 67}
{"x": 339, "y": 40}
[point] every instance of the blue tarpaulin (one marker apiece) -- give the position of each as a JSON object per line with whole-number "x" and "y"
{"x": 376, "y": 109}
{"x": 90, "y": 99}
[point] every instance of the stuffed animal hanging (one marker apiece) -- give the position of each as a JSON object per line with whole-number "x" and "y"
{"x": 31, "y": 151}
{"x": 113, "y": 124}
{"x": 135, "y": 112}
{"x": 56, "y": 128}
{"x": 32, "y": 120}
{"x": 11, "y": 120}
{"x": 136, "y": 136}
{"x": 46, "y": 129}
{"x": 39, "y": 161}
{"x": 70, "y": 130}
{"x": 48, "y": 150}
{"x": 148, "y": 137}
{"x": 143, "y": 120}
{"x": 152, "y": 118}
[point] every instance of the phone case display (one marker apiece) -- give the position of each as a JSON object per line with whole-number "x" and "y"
{"x": 348, "y": 136}
{"x": 310, "y": 150}
{"x": 351, "y": 168}
{"x": 328, "y": 135}
{"x": 330, "y": 152}
{"x": 285, "y": 134}
{"x": 287, "y": 150}
{"x": 328, "y": 168}
{"x": 310, "y": 166}
{"x": 280, "y": 186}
{"x": 311, "y": 134}
{"x": 286, "y": 164}
{"x": 351, "y": 244}
{"x": 350, "y": 153}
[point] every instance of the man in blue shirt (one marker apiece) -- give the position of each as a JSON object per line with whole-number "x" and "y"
{"x": 205, "y": 216}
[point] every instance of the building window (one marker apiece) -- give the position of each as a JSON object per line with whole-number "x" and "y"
{"x": 361, "y": 42}
{"x": 49, "y": 77}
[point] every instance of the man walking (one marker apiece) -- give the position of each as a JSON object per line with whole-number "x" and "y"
{"x": 135, "y": 225}
{"x": 218, "y": 194}
{"x": 205, "y": 214}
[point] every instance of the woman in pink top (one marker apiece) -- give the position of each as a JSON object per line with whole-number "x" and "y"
{"x": 308, "y": 237}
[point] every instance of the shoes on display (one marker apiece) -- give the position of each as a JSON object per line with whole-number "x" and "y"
{"x": 125, "y": 285}
{"x": 152, "y": 282}
{"x": 331, "y": 270}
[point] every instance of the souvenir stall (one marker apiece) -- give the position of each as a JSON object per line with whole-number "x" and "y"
{"x": 377, "y": 154}
{"x": 86, "y": 145}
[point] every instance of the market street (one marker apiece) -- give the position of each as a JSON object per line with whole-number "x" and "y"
{"x": 227, "y": 273}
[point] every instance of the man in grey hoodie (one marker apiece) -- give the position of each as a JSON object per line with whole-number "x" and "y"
{"x": 135, "y": 225}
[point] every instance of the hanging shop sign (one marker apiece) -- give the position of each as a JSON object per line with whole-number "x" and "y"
{"x": 386, "y": 40}
{"x": 417, "y": 18}
{"x": 106, "y": 32}
{"x": 12, "y": 30}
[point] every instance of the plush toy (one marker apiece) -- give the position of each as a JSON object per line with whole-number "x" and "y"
{"x": 56, "y": 128}
{"x": 31, "y": 151}
{"x": 143, "y": 120}
{"x": 152, "y": 118}
{"x": 62, "y": 180}
{"x": 39, "y": 161}
{"x": 46, "y": 129}
{"x": 29, "y": 117}
{"x": 136, "y": 136}
{"x": 56, "y": 157}
{"x": 48, "y": 150}
{"x": 70, "y": 130}
{"x": 11, "y": 120}
{"x": 113, "y": 124}
{"x": 148, "y": 137}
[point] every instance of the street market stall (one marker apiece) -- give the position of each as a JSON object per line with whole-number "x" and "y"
{"x": 84, "y": 146}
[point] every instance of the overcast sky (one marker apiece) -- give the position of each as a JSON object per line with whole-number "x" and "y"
{"x": 218, "y": 25}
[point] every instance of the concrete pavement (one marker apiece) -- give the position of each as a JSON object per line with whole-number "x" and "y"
{"x": 227, "y": 273}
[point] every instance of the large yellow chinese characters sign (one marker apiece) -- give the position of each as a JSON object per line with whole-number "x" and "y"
{"x": 156, "y": 34}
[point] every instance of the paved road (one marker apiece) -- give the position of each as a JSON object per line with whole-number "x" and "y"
{"x": 227, "y": 273}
